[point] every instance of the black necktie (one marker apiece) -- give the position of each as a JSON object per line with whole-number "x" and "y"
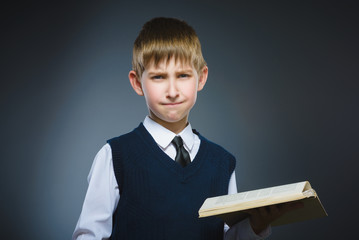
{"x": 182, "y": 156}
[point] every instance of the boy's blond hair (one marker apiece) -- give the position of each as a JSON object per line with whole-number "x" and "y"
{"x": 164, "y": 38}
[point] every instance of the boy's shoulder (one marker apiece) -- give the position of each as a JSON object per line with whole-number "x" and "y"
{"x": 126, "y": 137}
{"x": 215, "y": 147}
{"x": 219, "y": 156}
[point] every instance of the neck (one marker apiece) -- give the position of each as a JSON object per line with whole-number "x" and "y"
{"x": 175, "y": 127}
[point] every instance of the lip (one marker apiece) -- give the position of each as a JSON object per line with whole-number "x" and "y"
{"x": 172, "y": 104}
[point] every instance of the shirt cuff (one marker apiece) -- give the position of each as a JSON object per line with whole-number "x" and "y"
{"x": 243, "y": 230}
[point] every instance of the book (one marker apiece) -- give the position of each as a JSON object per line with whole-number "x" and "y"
{"x": 231, "y": 208}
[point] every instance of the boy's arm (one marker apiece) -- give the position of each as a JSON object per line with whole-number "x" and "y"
{"x": 95, "y": 221}
{"x": 243, "y": 230}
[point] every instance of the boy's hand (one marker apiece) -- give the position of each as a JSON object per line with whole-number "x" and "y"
{"x": 261, "y": 218}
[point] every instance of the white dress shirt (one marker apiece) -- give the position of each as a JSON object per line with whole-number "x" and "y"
{"x": 95, "y": 221}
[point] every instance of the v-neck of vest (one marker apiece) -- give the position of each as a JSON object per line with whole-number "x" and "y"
{"x": 183, "y": 173}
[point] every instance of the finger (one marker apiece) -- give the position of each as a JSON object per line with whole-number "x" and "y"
{"x": 250, "y": 211}
{"x": 274, "y": 210}
{"x": 263, "y": 212}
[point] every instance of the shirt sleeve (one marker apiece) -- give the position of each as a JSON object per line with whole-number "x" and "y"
{"x": 242, "y": 230}
{"x": 95, "y": 221}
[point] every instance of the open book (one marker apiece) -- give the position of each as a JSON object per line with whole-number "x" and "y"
{"x": 230, "y": 207}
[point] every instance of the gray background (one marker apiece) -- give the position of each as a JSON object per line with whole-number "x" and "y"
{"x": 282, "y": 96}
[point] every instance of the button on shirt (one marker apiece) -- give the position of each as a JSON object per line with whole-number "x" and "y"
{"x": 95, "y": 221}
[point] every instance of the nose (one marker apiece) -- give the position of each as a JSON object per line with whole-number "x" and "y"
{"x": 172, "y": 91}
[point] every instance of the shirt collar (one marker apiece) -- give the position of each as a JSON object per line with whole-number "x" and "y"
{"x": 163, "y": 137}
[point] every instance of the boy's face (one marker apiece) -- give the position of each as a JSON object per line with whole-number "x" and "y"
{"x": 170, "y": 90}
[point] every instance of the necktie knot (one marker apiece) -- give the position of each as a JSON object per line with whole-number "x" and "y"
{"x": 182, "y": 156}
{"x": 178, "y": 142}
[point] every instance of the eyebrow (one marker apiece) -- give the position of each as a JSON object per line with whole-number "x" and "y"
{"x": 156, "y": 72}
{"x": 160, "y": 72}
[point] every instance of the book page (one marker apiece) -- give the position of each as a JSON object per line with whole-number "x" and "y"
{"x": 254, "y": 195}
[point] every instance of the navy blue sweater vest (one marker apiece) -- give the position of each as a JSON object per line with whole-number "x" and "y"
{"x": 160, "y": 199}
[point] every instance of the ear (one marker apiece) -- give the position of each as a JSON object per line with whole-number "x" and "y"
{"x": 202, "y": 79}
{"x": 135, "y": 82}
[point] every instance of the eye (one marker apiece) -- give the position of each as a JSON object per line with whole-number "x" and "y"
{"x": 157, "y": 77}
{"x": 184, "y": 75}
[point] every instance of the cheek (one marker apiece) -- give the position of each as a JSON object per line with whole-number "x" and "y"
{"x": 190, "y": 90}
{"x": 150, "y": 91}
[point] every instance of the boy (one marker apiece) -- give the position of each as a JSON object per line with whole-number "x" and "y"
{"x": 150, "y": 183}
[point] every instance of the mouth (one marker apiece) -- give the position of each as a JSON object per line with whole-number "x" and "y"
{"x": 172, "y": 104}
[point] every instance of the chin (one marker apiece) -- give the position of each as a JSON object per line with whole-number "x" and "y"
{"x": 172, "y": 120}
{"x": 169, "y": 118}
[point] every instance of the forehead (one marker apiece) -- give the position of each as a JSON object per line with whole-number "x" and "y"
{"x": 171, "y": 63}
